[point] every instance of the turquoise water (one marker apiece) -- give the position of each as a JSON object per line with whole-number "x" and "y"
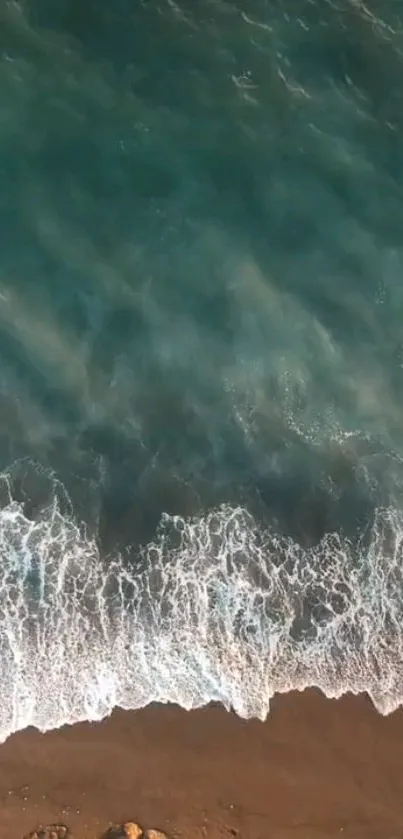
{"x": 201, "y": 354}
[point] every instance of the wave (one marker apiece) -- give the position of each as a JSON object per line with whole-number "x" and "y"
{"x": 215, "y": 608}
{"x": 200, "y": 313}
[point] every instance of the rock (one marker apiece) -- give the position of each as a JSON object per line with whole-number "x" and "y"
{"x": 132, "y": 830}
{"x": 128, "y": 830}
{"x": 154, "y": 834}
{"x": 50, "y": 831}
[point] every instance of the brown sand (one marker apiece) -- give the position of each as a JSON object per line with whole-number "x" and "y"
{"x": 316, "y": 768}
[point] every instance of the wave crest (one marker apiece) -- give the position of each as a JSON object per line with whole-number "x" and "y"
{"x": 214, "y": 609}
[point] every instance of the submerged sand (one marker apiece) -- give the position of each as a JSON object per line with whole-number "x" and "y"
{"x": 317, "y": 769}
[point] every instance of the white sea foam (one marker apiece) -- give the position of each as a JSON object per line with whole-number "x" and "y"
{"x": 213, "y": 609}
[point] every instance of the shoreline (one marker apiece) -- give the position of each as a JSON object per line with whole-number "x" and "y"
{"x": 316, "y": 769}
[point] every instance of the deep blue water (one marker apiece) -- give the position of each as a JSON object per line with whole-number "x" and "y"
{"x": 201, "y": 354}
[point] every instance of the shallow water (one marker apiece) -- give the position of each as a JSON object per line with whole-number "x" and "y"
{"x": 201, "y": 354}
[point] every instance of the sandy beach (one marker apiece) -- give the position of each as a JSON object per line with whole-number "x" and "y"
{"x": 317, "y": 769}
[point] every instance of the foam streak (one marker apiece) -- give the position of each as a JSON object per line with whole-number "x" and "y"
{"x": 213, "y": 609}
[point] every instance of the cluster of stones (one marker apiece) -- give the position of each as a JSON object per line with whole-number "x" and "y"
{"x": 51, "y": 831}
{"x": 129, "y": 830}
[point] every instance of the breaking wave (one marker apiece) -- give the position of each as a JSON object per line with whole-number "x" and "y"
{"x": 216, "y": 608}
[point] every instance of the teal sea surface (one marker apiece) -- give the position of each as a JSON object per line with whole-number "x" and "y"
{"x": 201, "y": 354}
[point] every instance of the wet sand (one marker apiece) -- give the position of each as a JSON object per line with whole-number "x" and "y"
{"x": 317, "y": 769}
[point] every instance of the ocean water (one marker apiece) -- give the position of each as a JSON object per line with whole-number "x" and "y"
{"x": 201, "y": 354}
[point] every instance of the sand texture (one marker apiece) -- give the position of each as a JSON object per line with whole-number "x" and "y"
{"x": 317, "y": 769}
